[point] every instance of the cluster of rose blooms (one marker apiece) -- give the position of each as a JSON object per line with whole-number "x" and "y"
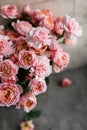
{"x": 31, "y": 43}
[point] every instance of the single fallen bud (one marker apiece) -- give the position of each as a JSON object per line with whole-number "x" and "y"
{"x": 65, "y": 82}
{"x": 27, "y": 125}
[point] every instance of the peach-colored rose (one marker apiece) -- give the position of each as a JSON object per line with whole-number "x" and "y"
{"x": 9, "y": 11}
{"x": 58, "y": 26}
{"x": 27, "y": 125}
{"x": 27, "y": 59}
{"x": 43, "y": 14}
{"x": 66, "y": 82}
{"x": 22, "y": 27}
{"x": 5, "y": 46}
{"x": 42, "y": 68}
{"x": 38, "y": 37}
{"x": 8, "y": 69}
{"x": 9, "y": 94}
{"x": 60, "y": 61}
{"x": 12, "y": 34}
{"x": 47, "y": 22}
{"x": 27, "y": 101}
{"x": 44, "y": 18}
{"x": 72, "y": 26}
{"x": 37, "y": 86}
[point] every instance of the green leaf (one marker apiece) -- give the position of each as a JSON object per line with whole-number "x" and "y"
{"x": 22, "y": 73}
{"x": 26, "y": 89}
{"x": 47, "y": 80}
{"x": 24, "y": 85}
{"x": 22, "y": 80}
{"x": 32, "y": 114}
{"x": 51, "y": 62}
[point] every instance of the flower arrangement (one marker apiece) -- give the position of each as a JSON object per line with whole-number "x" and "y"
{"x": 29, "y": 51}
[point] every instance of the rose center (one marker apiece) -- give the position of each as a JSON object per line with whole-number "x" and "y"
{"x": 7, "y": 95}
{"x": 27, "y": 59}
{"x": 38, "y": 86}
{"x": 64, "y": 57}
{"x": 29, "y": 103}
{"x": 5, "y": 68}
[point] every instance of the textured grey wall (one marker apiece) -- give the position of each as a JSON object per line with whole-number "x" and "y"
{"x": 74, "y": 8}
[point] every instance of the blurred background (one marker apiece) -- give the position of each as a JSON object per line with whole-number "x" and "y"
{"x": 63, "y": 108}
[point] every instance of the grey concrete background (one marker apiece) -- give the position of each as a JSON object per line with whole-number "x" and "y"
{"x": 62, "y": 108}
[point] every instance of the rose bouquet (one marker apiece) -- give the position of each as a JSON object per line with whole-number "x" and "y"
{"x": 29, "y": 51}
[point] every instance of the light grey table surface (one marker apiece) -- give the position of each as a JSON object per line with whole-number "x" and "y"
{"x": 63, "y": 108}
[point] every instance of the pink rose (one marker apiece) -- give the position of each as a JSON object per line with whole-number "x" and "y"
{"x": 12, "y": 80}
{"x": 20, "y": 44}
{"x": 29, "y": 12}
{"x": 27, "y": 101}
{"x": 54, "y": 48}
{"x": 5, "y": 45}
{"x": 72, "y": 26}
{"x": 22, "y": 27}
{"x": 8, "y": 69}
{"x": 27, "y": 125}
{"x": 27, "y": 9}
{"x": 39, "y": 51}
{"x": 9, "y": 94}
{"x": 37, "y": 86}
{"x": 42, "y": 68}
{"x": 66, "y": 82}
{"x": 9, "y": 11}
{"x": 27, "y": 59}
{"x": 60, "y": 61}
{"x": 54, "y": 45}
{"x": 38, "y": 37}
{"x": 58, "y": 26}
